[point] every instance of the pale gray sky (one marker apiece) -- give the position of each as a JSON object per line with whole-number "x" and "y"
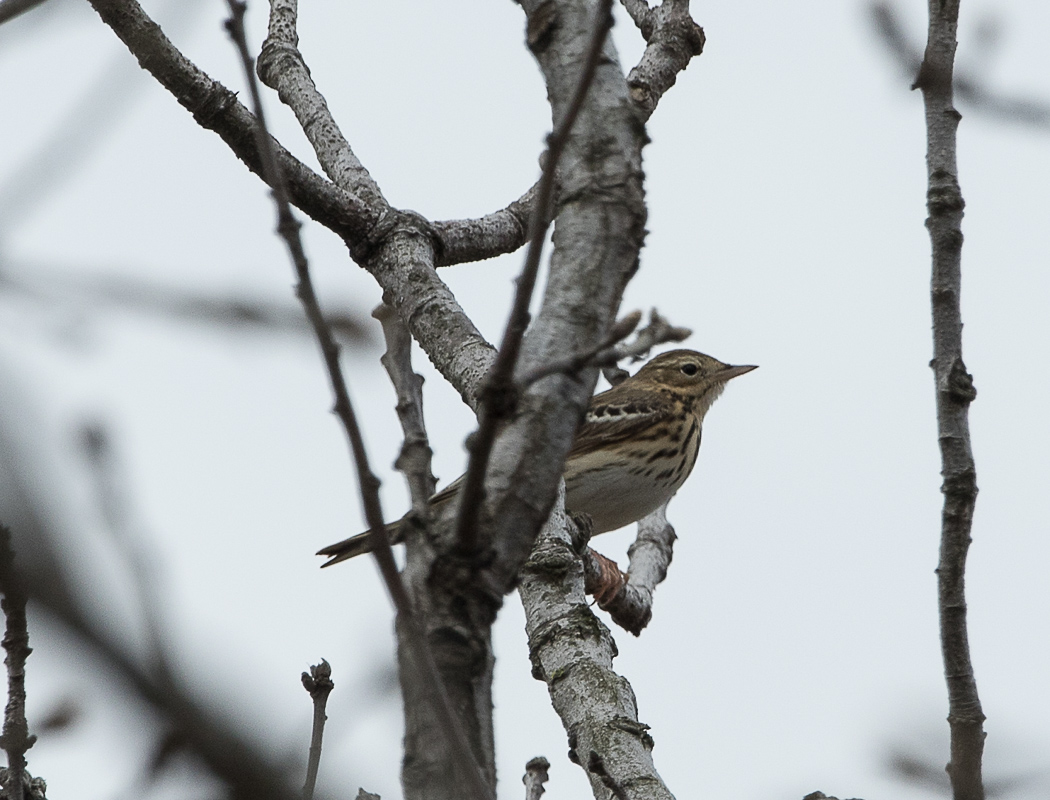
{"x": 794, "y": 642}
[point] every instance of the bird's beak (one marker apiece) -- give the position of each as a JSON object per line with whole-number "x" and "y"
{"x": 734, "y": 372}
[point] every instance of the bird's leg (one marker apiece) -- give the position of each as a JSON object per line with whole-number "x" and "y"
{"x": 602, "y": 577}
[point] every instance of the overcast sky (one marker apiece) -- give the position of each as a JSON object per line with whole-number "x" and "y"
{"x": 794, "y": 643}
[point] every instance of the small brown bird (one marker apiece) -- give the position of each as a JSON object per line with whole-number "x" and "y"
{"x": 636, "y": 446}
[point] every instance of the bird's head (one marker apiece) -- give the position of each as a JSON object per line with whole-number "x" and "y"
{"x": 690, "y": 373}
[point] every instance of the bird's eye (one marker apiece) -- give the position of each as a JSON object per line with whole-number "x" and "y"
{"x": 690, "y": 369}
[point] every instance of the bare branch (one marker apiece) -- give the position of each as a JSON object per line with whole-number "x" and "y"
{"x": 318, "y": 682}
{"x": 642, "y": 14}
{"x": 673, "y": 39}
{"x": 396, "y": 247}
{"x": 282, "y": 68}
{"x": 535, "y": 776}
{"x": 572, "y": 651}
{"x": 15, "y": 739}
{"x": 414, "y": 460}
{"x": 954, "y": 392}
{"x": 495, "y": 234}
{"x": 650, "y": 556}
{"x": 288, "y": 228}
{"x": 499, "y": 393}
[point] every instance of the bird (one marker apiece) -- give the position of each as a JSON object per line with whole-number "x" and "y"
{"x": 634, "y": 449}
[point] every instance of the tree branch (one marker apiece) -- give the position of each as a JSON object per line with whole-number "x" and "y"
{"x": 954, "y": 392}
{"x": 288, "y": 228}
{"x": 572, "y": 651}
{"x": 318, "y": 682}
{"x": 672, "y": 39}
{"x": 499, "y": 393}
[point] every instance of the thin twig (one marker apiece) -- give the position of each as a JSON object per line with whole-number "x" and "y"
{"x": 601, "y": 355}
{"x": 318, "y": 682}
{"x": 954, "y": 392}
{"x": 414, "y": 460}
{"x": 15, "y": 739}
{"x": 498, "y": 396}
{"x": 535, "y": 776}
{"x": 288, "y": 228}
{"x": 642, "y": 14}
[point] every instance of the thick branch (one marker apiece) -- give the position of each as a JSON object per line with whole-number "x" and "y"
{"x": 954, "y": 392}
{"x": 498, "y": 399}
{"x": 572, "y": 651}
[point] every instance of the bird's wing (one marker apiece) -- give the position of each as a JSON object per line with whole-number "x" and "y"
{"x": 607, "y": 423}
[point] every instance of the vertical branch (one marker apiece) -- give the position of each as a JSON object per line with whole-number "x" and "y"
{"x": 498, "y": 393}
{"x": 955, "y": 391}
{"x": 16, "y": 739}
{"x": 318, "y": 682}
{"x": 474, "y": 785}
{"x": 414, "y": 460}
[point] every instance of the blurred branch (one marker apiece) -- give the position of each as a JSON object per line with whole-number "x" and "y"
{"x": 288, "y": 229}
{"x": 318, "y": 682}
{"x": 969, "y": 87}
{"x": 9, "y": 9}
{"x": 954, "y": 393}
{"x": 535, "y": 776}
{"x": 111, "y": 490}
{"x": 498, "y": 394}
{"x": 67, "y": 148}
{"x": 176, "y": 303}
{"x": 15, "y": 739}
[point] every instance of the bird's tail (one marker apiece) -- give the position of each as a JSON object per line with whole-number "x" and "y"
{"x": 358, "y": 545}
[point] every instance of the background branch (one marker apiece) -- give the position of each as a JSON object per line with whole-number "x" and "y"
{"x": 970, "y": 87}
